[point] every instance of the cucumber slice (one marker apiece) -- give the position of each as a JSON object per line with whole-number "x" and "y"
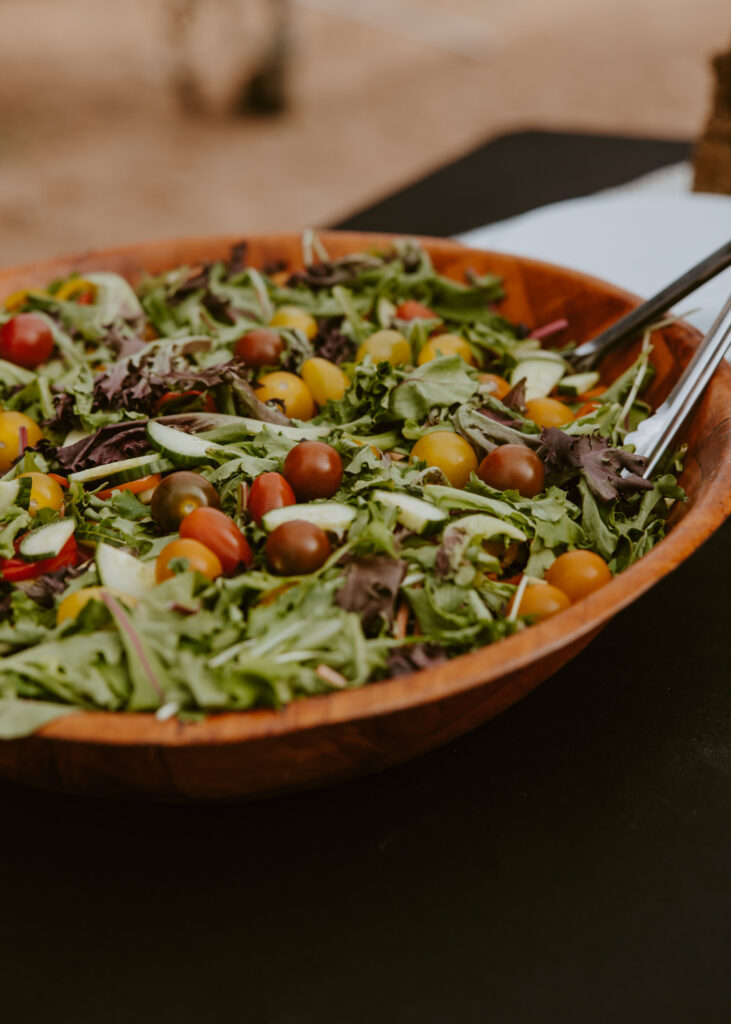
{"x": 413, "y": 513}
{"x": 8, "y": 493}
{"x": 91, "y": 534}
{"x": 578, "y": 383}
{"x": 330, "y": 516}
{"x": 486, "y": 527}
{"x": 542, "y": 373}
{"x": 46, "y": 541}
{"x": 385, "y": 311}
{"x": 123, "y": 471}
{"x": 303, "y": 433}
{"x": 181, "y": 448}
{"x": 123, "y": 571}
{"x": 73, "y": 437}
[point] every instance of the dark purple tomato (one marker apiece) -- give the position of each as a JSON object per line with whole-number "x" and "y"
{"x": 513, "y": 467}
{"x": 259, "y": 347}
{"x": 296, "y": 547}
{"x": 314, "y": 470}
{"x": 179, "y": 494}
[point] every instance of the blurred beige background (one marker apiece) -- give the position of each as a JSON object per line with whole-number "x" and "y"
{"x": 95, "y": 148}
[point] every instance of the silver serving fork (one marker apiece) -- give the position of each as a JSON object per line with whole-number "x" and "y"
{"x": 591, "y": 352}
{"x": 653, "y": 436}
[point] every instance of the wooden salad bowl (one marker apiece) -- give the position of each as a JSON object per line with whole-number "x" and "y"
{"x": 321, "y": 740}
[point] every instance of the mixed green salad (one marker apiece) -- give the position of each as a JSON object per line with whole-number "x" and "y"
{"x": 232, "y": 487}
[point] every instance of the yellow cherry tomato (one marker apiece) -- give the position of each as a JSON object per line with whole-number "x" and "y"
{"x": 326, "y": 381}
{"x": 500, "y": 386}
{"x": 290, "y": 390}
{"x": 446, "y": 345}
{"x": 449, "y": 452}
{"x": 385, "y": 346}
{"x": 11, "y": 425}
{"x": 197, "y": 555}
{"x": 18, "y": 299}
{"x": 296, "y": 319}
{"x": 44, "y": 492}
{"x": 70, "y": 607}
{"x": 73, "y": 287}
{"x": 540, "y": 601}
{"x": 579, "y": 573}
{"x": 548, "y": 412}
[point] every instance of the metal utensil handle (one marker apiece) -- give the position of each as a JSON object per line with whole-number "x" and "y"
{"x": 592, "y": 351}
{"x": 695, "y": 377}
{"x": 662, "y": 427}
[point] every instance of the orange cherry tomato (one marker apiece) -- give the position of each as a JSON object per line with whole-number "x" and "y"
{"x": 184, "y": 398}
{"x": 586, "y": 409}
{"x": 197, "y": 555}
{"x": 413, "y": 310}
{"x": 540, "y": 601}
{"x": 586, "y": 396}
{"x": 145, "y": 483}
{"x": 579, "y": 573}
{"x": 548, "y": 412}
{"x": 501, "y": 386}
{"x": 220, "y": 534}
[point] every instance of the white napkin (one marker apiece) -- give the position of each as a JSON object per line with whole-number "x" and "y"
{"x": 639, "y": 236}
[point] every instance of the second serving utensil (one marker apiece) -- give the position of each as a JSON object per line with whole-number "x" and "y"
{"x": 654, "y": 436}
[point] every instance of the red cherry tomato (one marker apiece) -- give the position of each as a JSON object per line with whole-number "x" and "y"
{"x": 314, "y": 469}
{"x": 221, "y": 535}
{"x": 16, "y": 569}
{"x": 26, "y": 340}
{"x": 296, "y": 547}
{"x": 186, "y": 399}
{"x": 513, "y": 467}
{"x": 412, "y": 310}
{"x": 260, "y": 347}
{"x": 268, "y": 491}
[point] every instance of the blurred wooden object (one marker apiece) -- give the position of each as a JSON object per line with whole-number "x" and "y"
{"x": 249, "y": 41}
{"x": 713, "y": 154}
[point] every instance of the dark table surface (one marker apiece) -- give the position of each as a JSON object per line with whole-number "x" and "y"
{"x": 569, "y": 861}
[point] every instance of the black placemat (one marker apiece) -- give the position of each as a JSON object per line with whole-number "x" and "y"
{"x": 512, "y": 174}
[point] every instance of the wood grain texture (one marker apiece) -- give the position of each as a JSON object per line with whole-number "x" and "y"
{"x": 327, "y": 739}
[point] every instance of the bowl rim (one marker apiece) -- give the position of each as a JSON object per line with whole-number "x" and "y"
{"x": 494, "y": 666}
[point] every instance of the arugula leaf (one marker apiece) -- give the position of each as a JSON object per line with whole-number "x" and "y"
{"x": 23, "y": 717}
{"x": 445, "y": 381}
